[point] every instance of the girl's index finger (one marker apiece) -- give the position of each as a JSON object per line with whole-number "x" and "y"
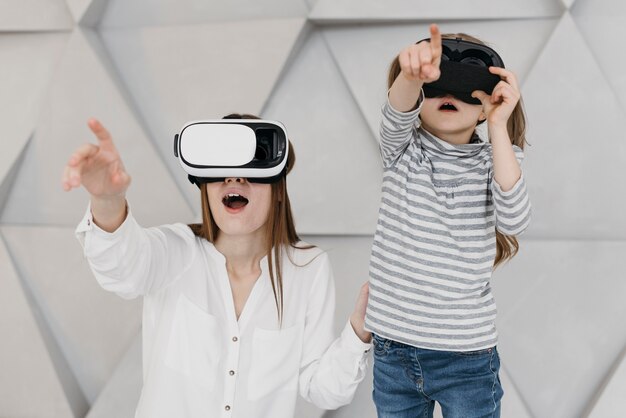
{"x": 435, "y": 43}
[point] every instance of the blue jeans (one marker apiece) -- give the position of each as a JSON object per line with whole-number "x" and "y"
{"x": 408, "y": 380}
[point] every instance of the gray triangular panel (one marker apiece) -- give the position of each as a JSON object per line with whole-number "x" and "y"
{"x": 559, "y": 304}
{"x": 34, "y": 15}
{"x": 29, "y": 384}
{"x": 331, "y": 191}
{"x": 612, "y": 399}
{"x": 92, "y": 327}
{"x": 144, "y": 13}
{"x": 120, "y": 395}
{"x": 82, "y": 88}
{"x": 576, "y": 159}
{"x": 427, "y": 11}
{"x": 33, "y": 59}
{"x": 602, "y": 24}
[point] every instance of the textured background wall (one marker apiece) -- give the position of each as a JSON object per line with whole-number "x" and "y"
{"x": 145, "y": 67}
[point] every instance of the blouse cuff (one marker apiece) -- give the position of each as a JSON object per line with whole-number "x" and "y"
{"x": 352, "y": 342}
{"x": 88, "y": 227}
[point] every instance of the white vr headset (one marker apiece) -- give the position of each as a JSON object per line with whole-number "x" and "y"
{"x": 212, "y": 150}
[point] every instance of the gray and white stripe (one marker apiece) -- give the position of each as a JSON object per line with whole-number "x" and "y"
{"x": 435, "y": 241}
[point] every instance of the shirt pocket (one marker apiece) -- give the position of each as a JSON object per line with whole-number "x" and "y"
{"x": 275, "y": 361}
{"x": 193, "y": 348}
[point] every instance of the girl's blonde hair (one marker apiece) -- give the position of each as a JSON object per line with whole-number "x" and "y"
{"x": 507, "y": 246}
{"x": 280, "y": 227}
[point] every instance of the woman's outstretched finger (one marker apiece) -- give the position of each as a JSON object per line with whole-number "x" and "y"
{"x": 83, "y": 152}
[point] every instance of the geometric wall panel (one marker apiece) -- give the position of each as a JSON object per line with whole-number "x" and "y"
{"x": 82, "y": 88}
{"x": 29, "y": 62}
{"x": 92, "y": 327}
{"x": 601, "y": 24}
{"x": 120, "y": 395}
{"x": 87, "y": 12}
{"x": 561, "y": 305}
{"x": 612, "y": 398}
{"x": 423, "y": 10}
{"x": 365, "y": 53}
{"x": 575, "y": 165}
{"x": 29, "y": 385}
{"x": 142, "y": 13}
{"x": 331, "y": 191}
{"x": 34, "y": 15}
{"x": 184, "y": 73}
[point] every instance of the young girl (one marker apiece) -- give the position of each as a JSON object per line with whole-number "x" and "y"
{"x": 451, "y": 206}
{"x": 238, "y": 312}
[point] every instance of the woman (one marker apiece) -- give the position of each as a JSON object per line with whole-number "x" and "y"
{"x": 238, "y": 312}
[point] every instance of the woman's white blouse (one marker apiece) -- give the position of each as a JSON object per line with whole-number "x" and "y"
{"x": 198, "y": 359}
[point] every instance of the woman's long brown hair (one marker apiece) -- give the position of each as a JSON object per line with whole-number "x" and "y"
{"x": 280, "y": 227}
{"x": 507, "y": 246}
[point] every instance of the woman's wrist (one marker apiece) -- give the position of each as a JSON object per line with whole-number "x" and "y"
{"x": 358, "y": 325}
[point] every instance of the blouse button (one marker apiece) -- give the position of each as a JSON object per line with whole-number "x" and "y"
{"x": 232, "y": 372}
{"x": 235, "y": 339}
{"x": 227, "y": 407}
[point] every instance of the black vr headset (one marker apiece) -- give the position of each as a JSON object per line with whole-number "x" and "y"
{"x": 464, "y": 69}
{"x": 210, "y": 151}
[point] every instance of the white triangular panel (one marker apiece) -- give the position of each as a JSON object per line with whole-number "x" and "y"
{"x": 93, "y": 327}
{"x": 560, "y": 305}
{"x": 34, "y": 15}
{"x": 120, "y": 395}
{"x": 33, "y": 59}
{"x": 577, "y": 156}
{"x": 335, "y": 185}
{"x": 365, "y": 53}
{"x": 29, "y": 385}
{"x": 143, "y": 13}
{"x": 612, "y": 402}
{"x": 82, "y": 88}
{"x": 424, "y": 10}
{"x": 602, "y": 24}
{"x": 179, "y": 74}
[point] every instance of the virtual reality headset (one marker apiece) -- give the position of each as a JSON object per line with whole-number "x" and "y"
{"x": 213, "y": 150}
{"x": 464, "y": 69}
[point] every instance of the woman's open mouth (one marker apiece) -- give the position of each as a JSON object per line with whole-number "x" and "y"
{"x": 234, "y": 201}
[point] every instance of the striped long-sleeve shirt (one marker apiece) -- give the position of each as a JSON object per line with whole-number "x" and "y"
{"x": 435, "y": 241}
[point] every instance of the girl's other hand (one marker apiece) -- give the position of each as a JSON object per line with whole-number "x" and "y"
{"x": 499, "y": 106}
{"x": 421, "y": 61}
{"x": 98, "y": 168}
{"x": 357, "y": 319}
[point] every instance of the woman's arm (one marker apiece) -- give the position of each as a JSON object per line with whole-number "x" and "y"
{"x": 330, "y": 370}
{"x": 125, "y": 258}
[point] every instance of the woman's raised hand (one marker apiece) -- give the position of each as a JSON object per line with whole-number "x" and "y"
{"x": 100, "y": 170}
{"x": 421, "y": 61}
{"x": 98, "y": 167}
